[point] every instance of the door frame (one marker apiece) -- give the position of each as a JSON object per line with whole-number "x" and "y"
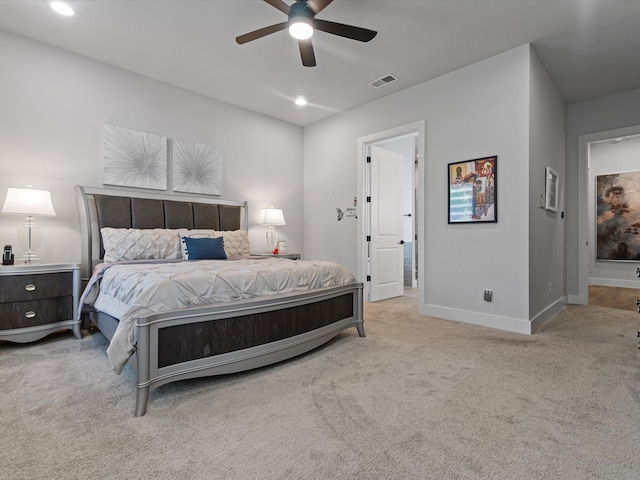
{"x": 363, "y": 146}
{"x": 584, "y": 255}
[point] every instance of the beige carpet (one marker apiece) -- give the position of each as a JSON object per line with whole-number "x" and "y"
{"x": 418, "y": 398}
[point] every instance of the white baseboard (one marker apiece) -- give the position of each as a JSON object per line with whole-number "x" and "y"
{"x": 547, "y": 314}
{"x": 516, "y": 325}
{"x": 614, "y": 282}
{"x": 578, "y": 299}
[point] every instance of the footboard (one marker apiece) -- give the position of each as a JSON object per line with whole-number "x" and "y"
{"x": 239, "y": 336}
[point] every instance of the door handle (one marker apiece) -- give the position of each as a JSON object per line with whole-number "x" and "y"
{"x": 401, "y": 242}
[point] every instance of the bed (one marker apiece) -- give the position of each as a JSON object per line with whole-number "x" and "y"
{"x": 189, "y": 339}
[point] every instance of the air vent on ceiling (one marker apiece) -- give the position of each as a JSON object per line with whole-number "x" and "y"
{"x": 383, "y": 81}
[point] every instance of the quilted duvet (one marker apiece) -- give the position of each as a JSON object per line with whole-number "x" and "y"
{"x": 130, "y": 290}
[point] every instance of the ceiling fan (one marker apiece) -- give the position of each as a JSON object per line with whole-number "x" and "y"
{"x": 302, "y": 23}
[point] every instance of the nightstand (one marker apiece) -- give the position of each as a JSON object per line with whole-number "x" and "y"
{"x": 290, "y": 256}
{"x": 38, "y": 299}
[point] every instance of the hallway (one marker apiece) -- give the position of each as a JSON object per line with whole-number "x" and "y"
{"x": 614, "y": 297}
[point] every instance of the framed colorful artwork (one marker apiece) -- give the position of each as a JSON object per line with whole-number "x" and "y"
{"x": 472, "y": 192}
{"x": 618, "y": 216}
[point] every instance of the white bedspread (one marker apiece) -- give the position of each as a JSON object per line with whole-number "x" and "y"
{"x": 130, "y": 290}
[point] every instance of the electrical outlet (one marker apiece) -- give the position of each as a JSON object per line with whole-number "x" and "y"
{"x": 550, "y": 288}
{"x": 487, "y": 295}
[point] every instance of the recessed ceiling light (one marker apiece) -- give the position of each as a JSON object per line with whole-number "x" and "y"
{"x": 301, "y": 101}
{"x": 63, "y": 9}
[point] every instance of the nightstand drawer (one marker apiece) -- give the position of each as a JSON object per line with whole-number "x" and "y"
{"x": 38, "y": 299}
{"x": 17, "y": 288}
{"x": 35, "y": 312}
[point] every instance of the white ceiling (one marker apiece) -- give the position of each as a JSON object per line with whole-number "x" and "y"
{"x": 591, "y": 48}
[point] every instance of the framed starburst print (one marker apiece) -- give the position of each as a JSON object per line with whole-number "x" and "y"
{"x": 197, "y": 168}
{"x": 134, "y": 159}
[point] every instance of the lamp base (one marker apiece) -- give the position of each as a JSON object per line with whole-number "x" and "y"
{"x": 272, "y": 238}
{"x": 33, "y": 239}
{"x": 30, "y": 257}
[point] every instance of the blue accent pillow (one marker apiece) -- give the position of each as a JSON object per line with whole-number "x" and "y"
{"x": 205, "y": 248}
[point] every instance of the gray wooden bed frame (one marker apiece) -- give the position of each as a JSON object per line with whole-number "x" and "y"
{"x": 216, "y": 339}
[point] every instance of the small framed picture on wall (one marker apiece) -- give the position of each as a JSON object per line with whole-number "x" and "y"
{"x": 551, "y": 190}
{"x": 472, "y": 192}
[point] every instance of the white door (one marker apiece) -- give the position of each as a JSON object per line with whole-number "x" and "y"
{"x": 386, "y": 249}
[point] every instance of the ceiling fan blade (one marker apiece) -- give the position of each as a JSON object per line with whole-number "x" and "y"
{"x": 318, "y": 5}
{"x": 247, "y": 37}
{"x": 347, "y": 31}
{"x": 280, "y": 5}
{"x": 306, "y": 52}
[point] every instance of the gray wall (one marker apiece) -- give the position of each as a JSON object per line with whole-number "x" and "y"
{"x": 547, "y": 120}
{"x": 53, "y": 107}
{"x": 480, "y": 110}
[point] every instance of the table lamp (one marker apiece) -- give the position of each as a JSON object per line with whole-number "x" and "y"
{"x": 272, "y": 217}
{"x": 30, "y": 202}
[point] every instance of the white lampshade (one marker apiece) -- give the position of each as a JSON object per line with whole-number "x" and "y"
{"x": 271, "y": 216}
{"x": 27, "y": 201}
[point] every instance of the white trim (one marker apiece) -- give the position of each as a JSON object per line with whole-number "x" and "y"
{"x": 547, "y": 314}
{"x": 578, "y": 299}
{"x": 516, "y": 325}
{"x": 614, "y": 282}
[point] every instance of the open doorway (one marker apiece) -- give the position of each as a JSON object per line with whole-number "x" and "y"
{"x": 406, "y": 146}
{"x": 391, "y": 268}
{"x": 602, "y": 158}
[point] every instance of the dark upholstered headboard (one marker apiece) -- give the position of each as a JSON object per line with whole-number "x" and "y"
{"x": 118, "y": 209}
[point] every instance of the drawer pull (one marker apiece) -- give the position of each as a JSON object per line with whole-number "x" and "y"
{"x": 30, "y": 288}
{"x": 30, "y": 314}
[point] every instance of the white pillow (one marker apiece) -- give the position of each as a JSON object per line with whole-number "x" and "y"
{"x": 236, "y": 242}
{"x": 135, "y": 244}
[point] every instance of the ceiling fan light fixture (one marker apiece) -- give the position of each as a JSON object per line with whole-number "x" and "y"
{"x": 300, "y": 21}
{"x": 301, "y": 29}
